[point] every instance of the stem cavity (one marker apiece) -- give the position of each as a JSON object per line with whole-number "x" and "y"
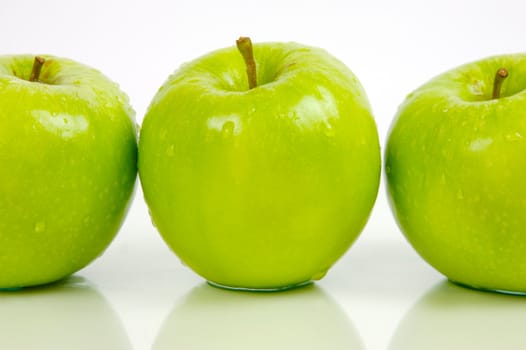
{"x": 244, "y": 45}
{"x": 37, "y": 67}
{"x": 501, "y": 74}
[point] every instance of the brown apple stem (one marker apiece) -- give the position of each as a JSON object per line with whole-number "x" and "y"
{"x": 37, "y": 67}
{"x": 501, "y": 74}
{"x": 244, "y": 45}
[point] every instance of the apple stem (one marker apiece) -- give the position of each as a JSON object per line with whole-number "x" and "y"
{"x": 37, "y": 67}
{"x": 244, "y": 45}
{"x": 501, "y": 74}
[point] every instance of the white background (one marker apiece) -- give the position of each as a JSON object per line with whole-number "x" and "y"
{"x": 380, "y": 295}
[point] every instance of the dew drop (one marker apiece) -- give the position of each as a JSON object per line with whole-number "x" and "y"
{"x": 40, "y": 227}
{"x": 443, "y": 178}
{"x": 170, "y": 150}
{"x": 329, "y": 131}
{"x": 151, "y": 219}
{"x": 228, "y": 128}
{"x": 319, "y": 275}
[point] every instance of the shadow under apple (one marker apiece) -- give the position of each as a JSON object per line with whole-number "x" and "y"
{"x": 302, "y": 318}
{"x": 70, "y": 314}
{"x": 453, "y": 317}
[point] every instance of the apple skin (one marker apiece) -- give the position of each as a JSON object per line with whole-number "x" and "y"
{"x": 455, "y": 164}
{"x": 68, "y": 149}
{"x": 263, "y": 188}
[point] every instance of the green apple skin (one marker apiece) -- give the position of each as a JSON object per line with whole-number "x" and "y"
{"x": 263, "y": 188}
{"x": 455, "y": 164}
{"x": 68, "y": 150}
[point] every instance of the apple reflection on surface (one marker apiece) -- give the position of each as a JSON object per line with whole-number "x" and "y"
{"x": 70, "y": 314}
{"x": 302, "y": 318}
{"x": 452, "y": 317}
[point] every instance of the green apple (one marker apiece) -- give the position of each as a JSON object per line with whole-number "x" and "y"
{"x": 260, "y": 187}
{"x": 68, "y": 151}
{"x": 455, "y": 164}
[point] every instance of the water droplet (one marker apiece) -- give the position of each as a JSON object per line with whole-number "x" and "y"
{"x": 228, "y": 128}
{"x": 329, "y": 131}
{"x": 443, "y": 178}
{"x": 151, "y": 218}
{"x": 40, "y": 227}
{"x": 319, "y": 275}
{"x": 170, "y": 150}
{"x": 514, "y": 137}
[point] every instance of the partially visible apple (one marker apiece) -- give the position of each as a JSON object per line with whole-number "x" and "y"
{"x": 68, "y": 166}
{"x": 456, "y": 164}
{"x": 260, "y": 185}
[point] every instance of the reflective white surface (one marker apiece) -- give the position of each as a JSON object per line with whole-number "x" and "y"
{"x": 379, "y": 296}
{"x": 212, "y": 318}
{"x": 70, "y": 314}
{"x": 453, "y": 317}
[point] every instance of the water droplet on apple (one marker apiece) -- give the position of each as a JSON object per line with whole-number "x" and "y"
{"x": 319, "y": 275}
{"x": 228, "y": 128}
{"x": 443, "y": 178}
{"x": 40, "y": 227}
{"x": 151, "y": 218}
{"x": 329, "y": 131}
{"x": 514, "y": 137}
{"x": 170, "y": 150}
